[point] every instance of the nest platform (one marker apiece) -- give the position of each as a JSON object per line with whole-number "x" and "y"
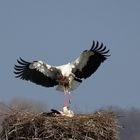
{"x": 102, "y": 125}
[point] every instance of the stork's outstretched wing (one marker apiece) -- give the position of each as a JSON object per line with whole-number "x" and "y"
{"x": 36, "y": 72}
{"x": 89, "y": 60}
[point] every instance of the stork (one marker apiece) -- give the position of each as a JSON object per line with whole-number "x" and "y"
{"x": 66, "y": 77}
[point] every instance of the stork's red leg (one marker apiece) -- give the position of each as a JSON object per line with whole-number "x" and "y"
{"x": 65, "y": 97}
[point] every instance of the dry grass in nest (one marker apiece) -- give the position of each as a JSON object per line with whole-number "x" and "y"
{"x": 101, "y": 125}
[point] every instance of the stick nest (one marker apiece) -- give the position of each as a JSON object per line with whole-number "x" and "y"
{"x": 102, "y": 125}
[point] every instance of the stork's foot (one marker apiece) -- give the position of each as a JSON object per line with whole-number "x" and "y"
{"x": 67, "y": 112}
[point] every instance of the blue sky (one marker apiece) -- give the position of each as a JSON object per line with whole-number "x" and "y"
{"x": 56, "y": 32}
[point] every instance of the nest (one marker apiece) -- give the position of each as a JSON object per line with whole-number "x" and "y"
{"x": 102, "y": 125}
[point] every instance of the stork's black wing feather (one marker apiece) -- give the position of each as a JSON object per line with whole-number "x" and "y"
{"x": 35, "y": 72}
{"x": 89, "y": 60}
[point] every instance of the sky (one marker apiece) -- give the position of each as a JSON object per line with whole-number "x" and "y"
{"x": 56, "y": 32}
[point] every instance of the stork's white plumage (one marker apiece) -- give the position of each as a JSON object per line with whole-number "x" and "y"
{"x": 66, "y": 77}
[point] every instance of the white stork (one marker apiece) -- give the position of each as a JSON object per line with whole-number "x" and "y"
{"x": 66, "y": 77}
